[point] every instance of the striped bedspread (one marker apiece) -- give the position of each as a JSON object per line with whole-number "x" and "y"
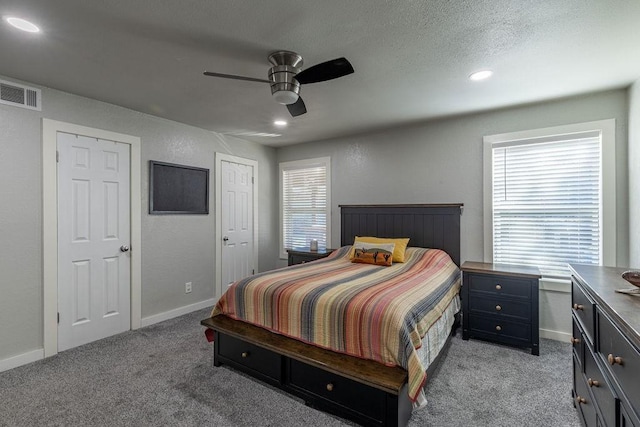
{"x": 372, "y": 312}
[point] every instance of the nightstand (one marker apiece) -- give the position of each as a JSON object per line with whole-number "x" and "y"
{"x": 302, "y": 255}
{"x": 500, "y": 304}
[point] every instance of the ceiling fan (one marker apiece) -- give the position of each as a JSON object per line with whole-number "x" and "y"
{"x": 285, "y": 77}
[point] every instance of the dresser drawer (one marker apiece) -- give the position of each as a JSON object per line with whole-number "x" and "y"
{"x": 338, "y": 390}
{"x": 499, "y": 285}
{"x": 487, "y": 304}
{"x": 583, "y": 402}
{"x": 627, "y": 418}
{"x": 577, "y": 341}
{"x": 500, "y": 329}
{"x": 621, "y": 358}
{"x": 584, "y": 310}
{"x": 601, "y": 390}
{"x": 250, "y": 357}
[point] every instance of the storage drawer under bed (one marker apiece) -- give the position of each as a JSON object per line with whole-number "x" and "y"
{"x": 249, "y": 357}
{"x": 314, "y": 383}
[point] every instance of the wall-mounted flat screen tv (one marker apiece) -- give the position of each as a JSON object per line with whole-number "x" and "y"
{"x": 178, "y": 189}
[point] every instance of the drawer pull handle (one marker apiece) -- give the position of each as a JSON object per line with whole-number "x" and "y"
{"x": 498, "y": 308}
{"x": 614, "y": 360}
{"x": 593, "y": 383}
{"x": 498, "y": 328}
{"x": 578, "y": 307}
{"x": 245, "y": 354}
{"x": 329, "y": 387}
{"x": 580, "y": 399}
{"x": 498, "y": 287}
{"x": 575, "y": 340}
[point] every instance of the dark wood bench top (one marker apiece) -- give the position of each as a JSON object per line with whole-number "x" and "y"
{"x": 389, "y": 379}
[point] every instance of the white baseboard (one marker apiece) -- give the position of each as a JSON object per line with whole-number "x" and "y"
{"x": 21, "y": 359}
{"x": 32, "y": 356}
{"x": 161, "y": 317}
{"x": 555, "y": 335}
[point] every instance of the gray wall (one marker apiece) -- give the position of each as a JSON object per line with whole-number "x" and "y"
{"x": 441, "y": 161}
{"x": 432, "y": 162}
{"x": 634, "y": 175}
{"x": 175, "y": 249}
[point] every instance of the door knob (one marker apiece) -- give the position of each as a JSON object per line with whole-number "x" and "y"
{"x": 124, "y": 248}
{"x": 225, "y": 239}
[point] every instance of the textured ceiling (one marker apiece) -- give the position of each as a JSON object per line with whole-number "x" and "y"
{"x": 411, "y": 58}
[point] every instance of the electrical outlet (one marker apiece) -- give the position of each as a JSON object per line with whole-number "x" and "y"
{"x": 187, "y": 288}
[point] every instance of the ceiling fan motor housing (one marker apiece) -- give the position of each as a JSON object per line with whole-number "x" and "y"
{"x": 284, "y": 87}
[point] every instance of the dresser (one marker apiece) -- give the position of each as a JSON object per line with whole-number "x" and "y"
{"x": 302, "y": 255}
{"x": 500, "y": 304}
{"x": 606, "y": 347}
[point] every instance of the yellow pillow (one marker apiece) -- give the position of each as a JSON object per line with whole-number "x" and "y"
{"x": 398, "y": 250}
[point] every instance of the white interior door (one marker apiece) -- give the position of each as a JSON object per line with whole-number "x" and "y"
{"x": 93, "y": 239}
{"x": 236, "y": 221}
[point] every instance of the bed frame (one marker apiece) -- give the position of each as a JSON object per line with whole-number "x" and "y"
{"x": 363, "y": 391}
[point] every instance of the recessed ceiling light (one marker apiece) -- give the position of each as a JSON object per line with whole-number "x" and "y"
{"x": 22, "y": 24}
{"x": 280, "y": 123}
{"x": 481, "y": 75}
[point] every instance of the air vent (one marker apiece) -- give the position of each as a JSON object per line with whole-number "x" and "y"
{"x": 20, "y": 95}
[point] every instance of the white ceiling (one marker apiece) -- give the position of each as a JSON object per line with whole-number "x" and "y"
{"x": 411, "y": 58}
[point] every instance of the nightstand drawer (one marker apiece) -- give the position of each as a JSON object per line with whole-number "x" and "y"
{"x": 516, "y": 310}
{"x": 300, "y": 259}
{"x": 250, "y": 357}
{"x": 500, "y": 285}
{"x": 495, "y": 328}
{"x": 301, "y": 256}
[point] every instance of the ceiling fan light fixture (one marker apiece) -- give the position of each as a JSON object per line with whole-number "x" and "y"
{"x": 284, "y": 87}
{"x": 285, "y": 97}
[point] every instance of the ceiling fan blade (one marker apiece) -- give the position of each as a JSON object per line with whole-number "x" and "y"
{"x": 325, "y": 71}
{"x": 231, "y": 76}
{"x": 297, "y": 108}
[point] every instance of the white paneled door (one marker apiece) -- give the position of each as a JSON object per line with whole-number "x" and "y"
{"x": 94, "y": 261}
{"x": 236, "y": 222}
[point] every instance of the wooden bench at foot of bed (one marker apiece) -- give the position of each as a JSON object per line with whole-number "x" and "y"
{"x": 360, "y": 390}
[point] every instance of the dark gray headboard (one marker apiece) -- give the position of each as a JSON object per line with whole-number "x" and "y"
{"x": 428, "y": 226}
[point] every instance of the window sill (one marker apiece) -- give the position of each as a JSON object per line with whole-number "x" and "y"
{"x": 555, "y": 285}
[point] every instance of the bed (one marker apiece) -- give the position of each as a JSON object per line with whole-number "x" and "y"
{"x": 340, "y": 378}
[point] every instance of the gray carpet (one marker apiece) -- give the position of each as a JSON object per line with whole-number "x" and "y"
{"x": 162, "y": 375}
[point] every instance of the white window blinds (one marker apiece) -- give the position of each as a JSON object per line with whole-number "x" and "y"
{"x": 547, "y": 208}
{"x": 305, "y": 203}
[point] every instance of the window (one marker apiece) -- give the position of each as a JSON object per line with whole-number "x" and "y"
{"x": 550, "y": 197}
{"x": 305, "y": 199}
